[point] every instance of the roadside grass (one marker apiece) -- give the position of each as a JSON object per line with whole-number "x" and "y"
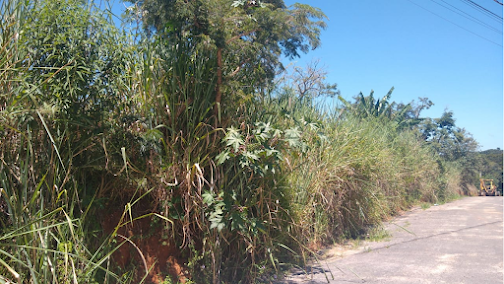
{"x": 378, "y": 234}
{"x": 47, "y": 153}
{"x": 259, "y": 185}
{"x": 425, "y": 205}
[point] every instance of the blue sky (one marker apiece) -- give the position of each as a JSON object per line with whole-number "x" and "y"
{"x": 423, "y": 50}
{"x": 374, "y": 45}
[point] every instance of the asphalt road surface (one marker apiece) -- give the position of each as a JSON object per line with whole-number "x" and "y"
{"x": 458, "y": 242}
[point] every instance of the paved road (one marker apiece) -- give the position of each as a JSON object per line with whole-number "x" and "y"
{"x": 458, "y": 242}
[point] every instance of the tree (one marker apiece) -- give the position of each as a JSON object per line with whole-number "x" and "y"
{"x": 447, "y": 140}
{"x": 490, "y": 165}
{"x": 247, "y": 38}
{"x": 310, "y": 82}
{"x": 300, "y": 86}
{"x": 417, "y": 108}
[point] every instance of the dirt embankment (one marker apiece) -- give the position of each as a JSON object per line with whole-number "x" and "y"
{"x": 147, "y": 248}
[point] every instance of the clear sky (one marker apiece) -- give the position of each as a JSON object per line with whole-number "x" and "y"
{"x": 422, "y": 49}
{"x": 447, "y": 50}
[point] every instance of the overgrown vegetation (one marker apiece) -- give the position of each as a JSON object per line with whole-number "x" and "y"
{"x": 182, "y": 151}
{"x": 488, "y": 164}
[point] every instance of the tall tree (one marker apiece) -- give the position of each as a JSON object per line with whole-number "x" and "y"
{"x": 448, "y": 140}
{"x": 247, "y": 37}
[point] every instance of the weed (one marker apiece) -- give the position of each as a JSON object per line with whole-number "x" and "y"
{"x": 90, "y": 118}
{"x": 378, "y": 234}
{"x": 425, "y": 205}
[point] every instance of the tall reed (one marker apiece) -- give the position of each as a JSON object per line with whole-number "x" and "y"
{"x": 49, "y": 143}
{"x": 89, "y": 119}
{"x": 355, "y": 173}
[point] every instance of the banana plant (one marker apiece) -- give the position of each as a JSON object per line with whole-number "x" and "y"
{"x": 367, "y": 106}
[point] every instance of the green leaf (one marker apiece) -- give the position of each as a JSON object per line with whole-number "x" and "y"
{"x": 270, "y": 152}
{"x": 251, "y": 156}
{"x": 292, "y": 136}
{"x": 222, "y": 157}
{"x": 234, "y": 139}
{"x": 208, "y": 197}
{"x": 237, "y": 3}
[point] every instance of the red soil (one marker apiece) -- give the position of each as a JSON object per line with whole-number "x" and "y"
{"x": 160, "y": 254}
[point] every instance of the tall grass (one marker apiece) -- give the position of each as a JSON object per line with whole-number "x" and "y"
{"x": 354, "y": 173}
{"x": 218, "y": 186}
{"x": 49, "y": 100}
{"x": 90, "y": 120}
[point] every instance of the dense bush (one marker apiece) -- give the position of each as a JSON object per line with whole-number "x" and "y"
{"x": 171, "y": 154}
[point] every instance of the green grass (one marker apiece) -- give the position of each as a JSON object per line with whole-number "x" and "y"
{"x": 378, "y": 234}
{"x": 425, "y": 205}
{"x": 46, "y": 149}
{"x": 262, "y": 182}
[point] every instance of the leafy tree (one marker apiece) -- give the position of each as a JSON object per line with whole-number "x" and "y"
{"x": 199, "y": 54}
{"x": 447, "y": 140}
{"x": 416, "y": 108}
{"x": 410, "y": 113}
{"x": 490, "y": 165}
{"x": 247, "y": 38}
{"x": 454, "y": 146}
